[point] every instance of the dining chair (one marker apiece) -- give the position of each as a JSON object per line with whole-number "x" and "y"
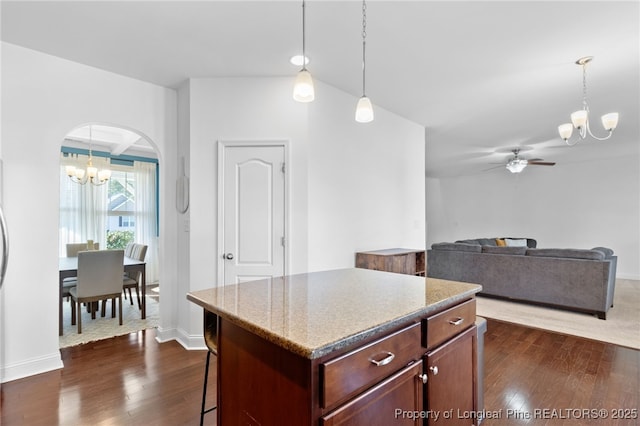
{"x": 99, "y": 278}
{"x": 74, "y": 248}
{"x": 72, "y": 251}
{"x": 133, "y": 280}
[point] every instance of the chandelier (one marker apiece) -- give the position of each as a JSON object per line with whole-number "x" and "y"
{"x": 364, "y": 109}
{"x": 303, "y": 90}
{"x": 580, "y": 118}
{"x": 90, "y": 174}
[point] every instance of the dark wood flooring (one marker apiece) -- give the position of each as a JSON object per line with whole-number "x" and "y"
{"x": 133, "y": 380}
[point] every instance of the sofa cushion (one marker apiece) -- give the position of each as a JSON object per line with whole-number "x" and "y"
{"x": 567, "y": 253}
{"x": 474, "y": 242}
{"x": 504, "y": 250}
{"x": 605, "y": 250}
{"x": 488, "y": 242}
{"x": 521, "y": 242}
{"x": 475, "y": 248}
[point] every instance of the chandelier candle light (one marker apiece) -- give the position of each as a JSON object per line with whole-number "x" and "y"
{"x": 303, "y": 90}
{"x": 364, "y": 109}
{"x": 580, "y": 119}
{"x": 91, "y": 174}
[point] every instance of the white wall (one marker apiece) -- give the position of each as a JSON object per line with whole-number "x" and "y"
{"x": 43, "y": 98}
{"x": 363, "y": 183}
{"x": 576, "y": 205}
{"x": 366, "y": 182}
{"x": 352, "y": 186}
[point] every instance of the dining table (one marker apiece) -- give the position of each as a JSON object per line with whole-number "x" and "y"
{"x": 68, "y": 267}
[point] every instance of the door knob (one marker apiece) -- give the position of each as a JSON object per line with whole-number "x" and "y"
{"x": 228, "y": 256}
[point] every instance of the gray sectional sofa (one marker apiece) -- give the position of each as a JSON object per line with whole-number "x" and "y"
{"x": 574, "y": 279}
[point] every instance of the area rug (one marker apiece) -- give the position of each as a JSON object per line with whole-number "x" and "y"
{"x": 103, "y": 328}
{"x": 622, "y": 326}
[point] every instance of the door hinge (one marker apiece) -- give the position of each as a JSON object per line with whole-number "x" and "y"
{"x": 283, "y": 241}
{"x": 283, "y": 168}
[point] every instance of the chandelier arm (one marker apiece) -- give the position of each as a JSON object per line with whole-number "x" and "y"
{"x": 596, "y": 137}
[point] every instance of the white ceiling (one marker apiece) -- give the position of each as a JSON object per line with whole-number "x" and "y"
{"x": 481, "y": 77}
{"x": 115, "y": 140}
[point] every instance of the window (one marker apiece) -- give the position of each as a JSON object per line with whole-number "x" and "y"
{"x": 123, "y": 210}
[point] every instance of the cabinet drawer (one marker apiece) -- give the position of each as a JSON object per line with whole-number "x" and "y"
{"x": 402, "y": 391}
{"x": 350, "y": 373}
{"x": 441, "y": 327}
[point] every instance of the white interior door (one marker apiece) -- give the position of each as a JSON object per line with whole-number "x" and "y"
{"x": 253, "y": 211}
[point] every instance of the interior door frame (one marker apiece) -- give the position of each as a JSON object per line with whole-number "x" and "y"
{"x": 248, "y": 143}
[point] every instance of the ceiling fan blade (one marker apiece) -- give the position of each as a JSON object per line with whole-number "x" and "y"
{"x": 535, "y": 160}
{"x": 493, "y": 168}
{"x": 541, "y": 163}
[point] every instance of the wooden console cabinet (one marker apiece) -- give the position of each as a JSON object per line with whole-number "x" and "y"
{"x": 399, "y": 260}
{"x": 304, "y": 350}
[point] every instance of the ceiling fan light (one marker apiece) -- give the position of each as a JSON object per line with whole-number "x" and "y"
{"x": 303, "y": 90}
{"x": 565, "y": 130}
{"x": 516, "y": 166}
{"x": 579, "y": 118}
{"x": 610, "y": 121}
{"x": 364, "y": 110}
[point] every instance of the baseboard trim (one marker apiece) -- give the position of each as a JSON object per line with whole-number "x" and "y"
{"x": 31, "y": 367}
{"x": 628, "y": 277}
{"x": 189, "y": 342}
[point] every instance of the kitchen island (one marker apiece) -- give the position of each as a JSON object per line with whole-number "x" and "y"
{"x": 348, "y": 346}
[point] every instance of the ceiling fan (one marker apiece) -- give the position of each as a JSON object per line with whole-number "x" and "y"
{"x": 517, "y": 164}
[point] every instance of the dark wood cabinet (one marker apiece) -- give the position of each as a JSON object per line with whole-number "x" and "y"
{"x": 388, "y": 361}
{"x": 384, "y": 404}
{"x": 399, "y": 260}
{"x": 450, "y": 385}
{"x": 450, "y": 338}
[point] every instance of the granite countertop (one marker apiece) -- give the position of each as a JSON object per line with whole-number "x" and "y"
{"x": 316, "y": 313}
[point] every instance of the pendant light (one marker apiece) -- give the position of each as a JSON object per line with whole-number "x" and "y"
{"x": 303, "y": 90}
{"x": 364, "y": 109}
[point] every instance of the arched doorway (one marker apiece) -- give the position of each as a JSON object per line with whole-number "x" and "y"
{"x": 107, "y": 209}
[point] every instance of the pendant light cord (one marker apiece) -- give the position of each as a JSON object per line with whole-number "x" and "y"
{"x": 364, "y": 36}
{"x": 304, "y": 53}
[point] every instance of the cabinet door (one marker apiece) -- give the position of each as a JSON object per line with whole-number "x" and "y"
{"x": 394, "y": 401}
{"x": 450, "y": 387}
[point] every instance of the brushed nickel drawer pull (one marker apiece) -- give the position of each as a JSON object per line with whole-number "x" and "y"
{"x": 457, "y": 321}
{"x": 384, "y": 361}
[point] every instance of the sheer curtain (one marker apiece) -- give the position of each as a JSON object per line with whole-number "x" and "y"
{"x": 146, "y": 214}
{"x": 83, "y": 209}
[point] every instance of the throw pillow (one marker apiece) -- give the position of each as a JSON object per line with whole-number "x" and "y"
{"x": 515, "y": 243}
{"x": 501, "y": 242}
{"x": 487, "y": 242}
